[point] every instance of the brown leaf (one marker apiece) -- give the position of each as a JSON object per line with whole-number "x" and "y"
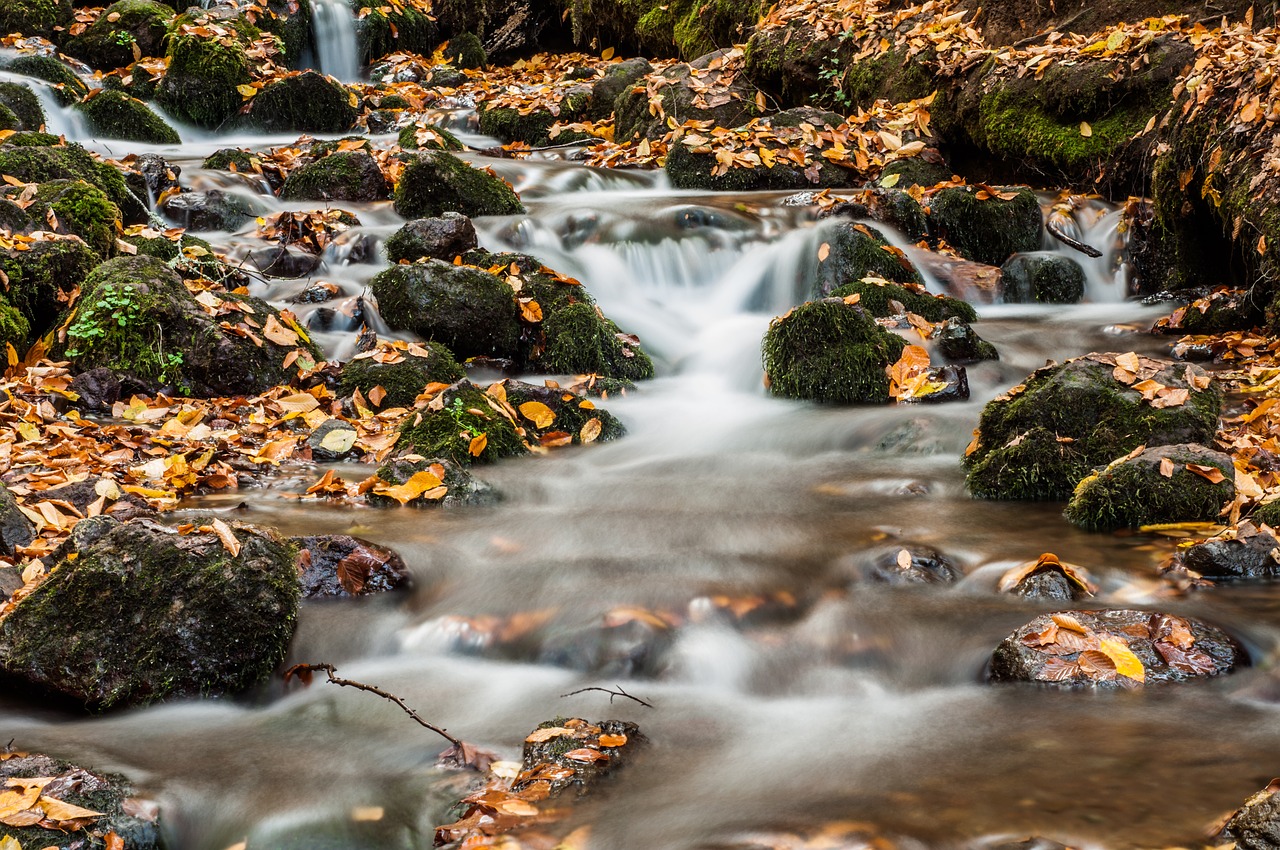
{"x": 477, "y": 446}
{"x": 228, "y": 538}
{"x": 1166, "y": 467}
{"x": 1209, "y": 473}
{"x": 586, "y": 755}
{"x": 590, "y": 431}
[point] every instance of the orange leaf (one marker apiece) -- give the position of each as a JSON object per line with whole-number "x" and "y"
{"x": 478, "y": 443}
{"x": 1209, "y": 473}
{"x": 1166, "y": 467}
{"x": 538, "y": 413}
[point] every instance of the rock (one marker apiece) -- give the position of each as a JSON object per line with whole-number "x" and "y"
{"x": 39, "y": 159}
{"x": 134, "y": 613}
{"x": 572, "y": 414}
{"x": 333, "y": 440}
{"x": 909, "y": 565}
{"x": 15, "y": 529}
{"x": 468, "y": 310}
{"x": 455, "y": 419}
{"x": 428, "y": 137}
{"x": 686, "y": 92}
{"x": 125, "y": 27}
{"x": 883, "y": 300}
{"x": 621, "y": 644}
{"x": 855, "y": 251}
{"x": 382, "y": 30}
{"x": 115, "y": 115}
{"x": 98, "y": 389}
{"x": 443, "y": 238}
{"x": 1048, "y": 579}
{"x": 682, "y": 28}
{"x": 70, "y": 87}
{"x": 404, "y": 380}
{"x": 508, "y": 124}
{"x": 158, "y": 173}
{"x": 78, "y": 208}
{"x": 10, "y": 582}
{"x": 1222, "y": 310}
{"x": 345, "y": 176}
{"x": 34, "y": 17}
{"x": 43, "y": 278}
{"x": 15, "y": 330}
{"x": 112, "y": 500}
{"x": 461, "y": 487}
{"x": 24, "y": 104}
{"x": 436, "y": 182}
{"x": 132, "y": 820}
{"x": 1244, "y": 552}
{"x": 1113, "y": 648}
{"x": 986, "y": 231}
{"x": 284, "y": 261}
{"x": 307, "y": 103}
{"x": 1256, "y": 824}
{"x": 199, "y": 85}
{"x": 830, "y": 351}
{"x": 617, "y": 78}
{"x": 959, "y": 344}
{"x": 1042, "y": 277}
{"x": 213, "y": 210}
{"x": 1038, "y": 440}
{"x": 341, "y": 566}
{"x": 1133, "y": 491}
{"x": 136, "y": 318}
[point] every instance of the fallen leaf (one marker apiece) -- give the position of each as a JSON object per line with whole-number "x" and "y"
{"x": 1166, "y": 467}
{"x": 478, "y": 443}
{"x": 538, "y": 413}
{"x": 590, "y": 430}
{"x": 228, "y": 538}
{"x": 1209, "y": 473}
{"x": 1126, "y": 663}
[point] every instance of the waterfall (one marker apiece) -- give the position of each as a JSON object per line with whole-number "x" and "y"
{"x": 336, "y": 51}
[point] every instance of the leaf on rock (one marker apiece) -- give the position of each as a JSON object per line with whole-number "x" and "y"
{"x": 538, "y": 413}
{"x": 1126, "y": 663}
{"x": 228, "y": 538}
{"x": 478, "y": 443}
{"x": 1209, "y": 473}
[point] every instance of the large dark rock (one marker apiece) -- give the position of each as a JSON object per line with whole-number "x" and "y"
{"x": 1114, "y": 648}
{"x": 1244, "y": 552}
{"x": 74, "y": 207}
{"x": 128, "y": 25}
{"x": 199, "y": 85}
{"x": 436, "y": 182}
{"x": 34, "y": 17}
{"x": 468, "y": 310}
{"x": 687, "y": 92}
{"x": 341, "y": 566}
{"x": 307, "y": 103}
{"x": 617, "y": 78}
{"x": 15, "y": 529}
{"x": 40, "y": 159}
{"x": 115, "y": 115}
{"x": 451, "y": 235}
{"x": 209, "y": 211}
{"x": 1134, "y": 491}
{"x": 1256, "y": 824}
{"x": 402, "y": 380}
{"x": 986, "y": 230}
{"x": 849, "y": 252}
{"x": 1042, "y": 277}
{"x": 1042, "y": 437}
{"x": 43, "y": 278}
{"x": 343, "y": 176}
{"x": 137, "y": 612}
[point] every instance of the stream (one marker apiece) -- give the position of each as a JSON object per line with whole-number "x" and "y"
{"x": 852, "y": 701}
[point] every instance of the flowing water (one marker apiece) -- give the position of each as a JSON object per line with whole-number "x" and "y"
{"x": 334, "y": 26}
{"x": 859, "y": 701}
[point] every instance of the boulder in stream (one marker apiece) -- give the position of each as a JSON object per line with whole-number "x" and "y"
{"x": 464, "y": 424}
{"x": 339, "y": 566}
{"x": 115, "y": 115}
{"x": 401, "y": 481}
{"x": 443, "y": 238}
{"x": 15, "y": 529}
{"x": 508, "y": 124}
{"x": 210, "y": 211}
{"x": 1256, "y": 824}
{"x": 913, "y": 565}
{"x": 852, "y": 251}
{"x": 137, "y": 612}
{"x": 34, "y": 17}
{"x": 403, "y": 375}
{"x": 199, "y": 84}
{"x": 69, "y": 86}
{"x": 1114, "y": 648}
{"x": 342, "y": 176}
{"x": 986, "y": 228}
{"x": 695, "y": 91}
{"x": 1042, "y": 277}
{"x": 71, "y": 207}
{"x": 308, "y": 102}
{"x": 44, "y": 277}
{"x": 1245, "y": 551}
{"x": 127, "y": 31}
{"x": 1040, "y": 438}
{"x": 436, "y": 182}
{"x": 24, "y": 104}
{"x": 1178, "y": 483}
{"x": 38, "y": 158}
{"x": 428, "y": 137}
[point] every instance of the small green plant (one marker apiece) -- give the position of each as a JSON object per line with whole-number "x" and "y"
{"x": 123, "y": 38}
{"x": 116, "y": 328}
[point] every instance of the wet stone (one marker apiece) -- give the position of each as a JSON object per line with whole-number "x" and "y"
{"x": 443, "y": 238}
{"x": 621, "y": 644}
{"x": 212, "y": 210}
{"x": 284, "y": 262}
{"x": 1256, "y": 824}
{"x": 334, "y": 440}
{"x": 318, "y": 293}
{"x": 1251, "y": 552}
{"x": 15, "y": 529}
{"x": 341, "y": 566}
{"x": 908, "y": 565}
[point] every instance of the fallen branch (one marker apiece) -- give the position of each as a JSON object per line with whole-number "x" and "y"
{"x": 1057, "y": 233}
{"x": 618, "y": 692}
{"x": 304, "y": 671}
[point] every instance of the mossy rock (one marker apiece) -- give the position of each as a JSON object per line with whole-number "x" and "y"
{"x": 32, "y": 159}
{"x": 428, "y": 137}
{"x": 1222, "y": 310}
{"x": 959, "y": 344}
{"x": 462, "y": 487}
{"x": 874, "y": 297}
{"x": 136, "y": 318}
{"x": 24, "y": 104}
{"x": 685, "y": 29}
{"x": 403, "y": 381}
{"x": 34, "y": 17}
{"x": 188, "y": 255}
{"x": 1042, "y": 277}
{"x": 681, "y": 101}
{"x": 136, "y": 613}
{"x": 292, "y": 24}
{"x": 436, "y": 182}
{"x": 384, "y": 30}
{"x": 1037, "y": 443}
{"x": 830, "y": 351}
{"x": 466, "y": 50}
{"x": 115, "y": 115}
{"x": 109, "y": 43}
{"x": 15, "y": 330}
{"x": 81, "y": 209}
{"x": 617, "y": 78}
{"x": 458, "y": 415}
{"x": 451, "y": 235}
{"x": 43, "y": 278}
{"x": 307, "y": 103}
{"x": 855, "y": 251}
{"x": 8, "y": 120}
{"x": 212, "y": 210}
{"x": 579, "y": 341}
{"x": 1133, "y": 491}
{"x": 892, "y": 75}
{"x": 199, "y": 86}
{"x": 792, "y": 64}
{"x": 990, "y": 230}
{"x": 70, "y": 87}
{"x": 573, "y": 413}
{"x": 689, "y": 170}
{"x": 224, "y": 158}
{"x": 913, "y": 171}
{"x": 534, "y": 129}
{"x": 468, "y": 310}
{"x": 345, "y": 176}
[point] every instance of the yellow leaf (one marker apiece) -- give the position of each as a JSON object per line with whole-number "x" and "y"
{"x": 531, "y": 311}
{"x": 339, "y": 440}
{"x": 1085, "y": 129}
{"x": 246, "y": 91}
{"x": 12, "y": 353}
{"x": 29, "y": 432}
{"x": 1127, "y": 664}
{"x": 607, "y": 54}
{"x": 478, "y": 444}
{"x": 9, "y": 843}
{"x": 58, "y": 810}
{"x": 298, "y": 403}
{"x": 278, "y": 333}
{"x": 538, "y": 413}
{"x": 422, "y": 483}
{"x": 889, "y": 181}
{"x": 590, "y": 430}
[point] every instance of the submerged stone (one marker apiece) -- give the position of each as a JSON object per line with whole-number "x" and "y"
{"x": 339, "y": 566}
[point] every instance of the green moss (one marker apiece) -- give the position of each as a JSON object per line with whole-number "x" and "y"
{"x": 34, "y": 17}
{"x": 891, "y": 75}
{"x": 115, "y": 115}
{"x": 8, "y": 120}
{"x": 875, "y": 298}
{"x": 344, "y": 176}
{"x": 381, "y": 32}
{"x": 684, "y": 28}
{"x": 111, "y": 39}
{"x": 199, "y": 86}
{"x": 436, "y": 182}
{"x": 14, "y": 328}
{"x": 403, "y": 381}
{"x": 986, "y": 231}
{"x": 468, "y": 310}
{"x": 572, "y": 413}
{"x": 830, "y": 351}
{"x": 293, "y": 28}
{"x": 85, "y": 211}
{"x": 70, "y": 87}
{"x": 913, "y": 171}
{"x": 855, "y": 252}
{"x": 221, "y": 160}
{"x": 24, "y": 103}
{"x": 465, "y": 50}
{"x": 465, "y": 413}
{"x": 580, "y": 342}
{"x": 1268, "y": 514}
{"x": 309, "y": 103}
{"x": 1042, "y": 277}
{"x": 508, "y": 125}
{"x": 1132, "y": 492}
{"x": 43, "y": 278}
{"x": 1038, "y": 443}
{"x": 32, "y": 160}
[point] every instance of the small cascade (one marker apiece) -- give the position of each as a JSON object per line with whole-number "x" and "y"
{"x": 59, "y": 120}
{"x": 336, "y": 50}
{"x": 1096, "y": 223}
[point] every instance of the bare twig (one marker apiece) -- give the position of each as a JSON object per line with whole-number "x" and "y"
{"x": 616, "y": 692}
{"x": 1057, "y": 233}
{"x": 300, "y": 670}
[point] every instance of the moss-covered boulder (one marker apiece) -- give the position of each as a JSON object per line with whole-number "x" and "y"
{"x": 70, "y": 87}
{"x": 850, "y": 252}
{"x": 508, "y": 124}
{"x": 24, "y": 104}
{"x": 108, "y": 794}
{"x": 134, "y": 613}
{"x": 882, "y": 300}
{"x": 989, "y": 229}
{"x": 127, "y": 31}
{"x": 830, "y": 350}
{"x": 224, "y": 158}
{"x": 451, "y": 235}
{"x": 686, "y": 92}
{"x": 573, "y": 418}
{"x": 465, "y": 425}
{"x": 307, "y": 103}
{"x": 115, "y": 115}
{"x": 136, "y": 318}
{"x": 37, "y": 158}
{"x": 1180, "y": 483}
{"x": 436, "y": 182}
{"x": 383, "y": 29}
{"x": 15, "y": 330}
{"x": 959, "y": 344}
{"x": 44, "y": 278}
{"x": 34, "y": 17}
{"x": 468, "y": 310}
{"x": 683, "y": 29}
{"x": 460, "y": 486}
{"x": 1221, "y": 310}
{"x": 617, "y": 78}
{"x": 343, "y": 176}
{"x": 1038, "y": 440}
{"x": 428, "y": 137}
{"x": 1042, "y": 277}
{"x": 78, "y": 208}
{"x": 403, "y": 380}
{"x": 199, "y": 86}
{"x": 465, "y": 50}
